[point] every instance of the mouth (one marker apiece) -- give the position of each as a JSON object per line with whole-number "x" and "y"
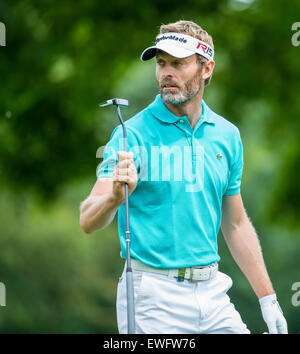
{"x": 169, "y": 87}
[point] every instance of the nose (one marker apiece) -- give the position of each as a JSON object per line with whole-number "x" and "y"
{"x": 167, "y": 72}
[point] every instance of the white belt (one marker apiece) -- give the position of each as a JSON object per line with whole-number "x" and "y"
{"x": 198, "y": 273}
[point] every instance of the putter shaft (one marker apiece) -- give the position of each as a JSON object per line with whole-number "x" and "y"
{"x": 129, "y": 276}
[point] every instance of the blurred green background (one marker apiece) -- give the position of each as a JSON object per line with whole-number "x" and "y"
{"x": 61, "y": 59}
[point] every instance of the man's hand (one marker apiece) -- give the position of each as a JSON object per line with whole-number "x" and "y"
{"x": 124, "y": 172}
{"x": 272, "y": 315}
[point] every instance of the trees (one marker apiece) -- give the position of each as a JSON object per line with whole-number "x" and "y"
{"x": 61, "y": 60}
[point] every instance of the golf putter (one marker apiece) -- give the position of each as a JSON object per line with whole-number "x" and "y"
{"x": 121, "y": 102}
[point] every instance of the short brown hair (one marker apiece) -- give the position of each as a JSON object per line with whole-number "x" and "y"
{"x": 192, "y": 29}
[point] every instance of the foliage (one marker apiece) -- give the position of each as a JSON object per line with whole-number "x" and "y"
{"x": 59, "y": 62}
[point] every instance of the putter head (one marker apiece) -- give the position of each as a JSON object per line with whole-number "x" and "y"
{"x": 122, "y": 102}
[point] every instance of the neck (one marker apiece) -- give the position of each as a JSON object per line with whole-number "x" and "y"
{"x": 191, "y": 109}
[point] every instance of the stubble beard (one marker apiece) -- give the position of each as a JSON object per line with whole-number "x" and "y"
{"x": 184, "y": 95}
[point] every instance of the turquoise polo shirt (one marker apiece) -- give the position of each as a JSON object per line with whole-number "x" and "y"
{"x": 183, "y": 174}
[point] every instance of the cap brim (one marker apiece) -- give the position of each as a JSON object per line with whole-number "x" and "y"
{"x": 176, "y": 52}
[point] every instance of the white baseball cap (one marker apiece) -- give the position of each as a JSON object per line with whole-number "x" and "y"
{"x": 178, "y": 45}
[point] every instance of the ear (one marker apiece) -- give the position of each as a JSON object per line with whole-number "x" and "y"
{"x": 208, "y": 69}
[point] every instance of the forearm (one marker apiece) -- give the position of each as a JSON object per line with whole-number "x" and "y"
{"x": 244, "y": 246}
{"x": 97, "y": 212}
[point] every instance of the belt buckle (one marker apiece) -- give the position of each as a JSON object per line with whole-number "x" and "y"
{"x": 192, "y": 274}
{"x": 205, "y": 276}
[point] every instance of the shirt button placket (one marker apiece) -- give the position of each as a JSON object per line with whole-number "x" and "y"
{"x": 193, "y": 151}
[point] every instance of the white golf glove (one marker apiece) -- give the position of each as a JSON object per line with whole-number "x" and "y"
{"x": 272, "y": 315}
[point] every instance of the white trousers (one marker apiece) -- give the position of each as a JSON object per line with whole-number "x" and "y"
{"x": 165, "y": 306}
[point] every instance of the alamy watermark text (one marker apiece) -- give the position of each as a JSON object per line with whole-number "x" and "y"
{"x": 2, "y": 294}
{"x": 296, "y": 36}
{"x": 2, "y": 35}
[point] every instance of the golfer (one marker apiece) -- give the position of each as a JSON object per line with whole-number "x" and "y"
{"x": 183, "y": 167}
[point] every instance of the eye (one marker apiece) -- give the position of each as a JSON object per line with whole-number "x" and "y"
{"x": 177, "y": 63}
{"x": 159, "y": 62}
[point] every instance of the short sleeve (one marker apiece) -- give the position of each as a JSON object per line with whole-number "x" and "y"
{"x": 236, "y": 169}
{"x": 110, "y": 153}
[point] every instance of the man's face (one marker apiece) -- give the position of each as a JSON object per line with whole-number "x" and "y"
{"x": 179, "y": 80}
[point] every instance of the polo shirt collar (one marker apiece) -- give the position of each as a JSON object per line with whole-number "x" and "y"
{"x": 160, "y": 111}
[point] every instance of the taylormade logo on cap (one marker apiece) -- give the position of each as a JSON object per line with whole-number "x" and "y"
{"x": 174, "y": 37}
{"x": 179, "y": 45}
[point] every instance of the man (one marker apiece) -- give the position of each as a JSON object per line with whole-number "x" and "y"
{"x": 183, "y": 169}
